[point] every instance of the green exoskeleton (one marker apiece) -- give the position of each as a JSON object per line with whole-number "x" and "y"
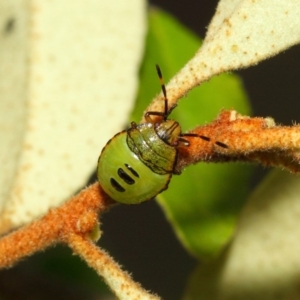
{"x": 138, "y": 163}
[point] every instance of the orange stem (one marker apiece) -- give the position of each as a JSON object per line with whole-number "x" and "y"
{"x": 118, "y": 280}
{"x": 79, "y": 215}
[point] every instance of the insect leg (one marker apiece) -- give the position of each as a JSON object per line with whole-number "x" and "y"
{"x": 153, "y": 113}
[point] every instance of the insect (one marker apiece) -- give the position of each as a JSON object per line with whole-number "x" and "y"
{"x": 138, "y": 163}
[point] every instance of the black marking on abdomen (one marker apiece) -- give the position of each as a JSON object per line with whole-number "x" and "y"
{"x": 125, "y": 176}
{"x": 134, "y": 172}
{"x": 116, "y": 185}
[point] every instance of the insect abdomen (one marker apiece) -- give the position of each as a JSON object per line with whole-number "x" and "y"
{"x": 124, "y": 177}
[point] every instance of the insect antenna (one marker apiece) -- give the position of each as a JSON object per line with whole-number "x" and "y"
{"x": 167, "y": 111}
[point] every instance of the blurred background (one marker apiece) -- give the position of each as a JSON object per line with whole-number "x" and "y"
{"x": 139, "y": 237}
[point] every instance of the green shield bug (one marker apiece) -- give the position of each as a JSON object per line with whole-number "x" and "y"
{"x": 138, "y": 163}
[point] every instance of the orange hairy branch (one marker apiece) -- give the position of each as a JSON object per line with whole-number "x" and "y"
{"x": 79, "y": 215}
{"x": 118, "y": 280}
{"x": 233, "y": 137}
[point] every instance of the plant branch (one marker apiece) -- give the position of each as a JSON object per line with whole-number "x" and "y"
{"x": 233, "y": 137}
{"x": 118, "y": 280}
{"x": 73, "y": 223}
{"x": 79, "y": 215}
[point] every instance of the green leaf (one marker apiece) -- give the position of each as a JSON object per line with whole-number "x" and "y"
{"x": 262, "y": 260}
{"x": 203, "y": 202}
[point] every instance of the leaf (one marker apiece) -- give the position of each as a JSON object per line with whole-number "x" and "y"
{"x": 262, "y": 262}
{"x": 241, "y": 34}
{"x": 202, "y": 203}
{"x": 69, "y": 74}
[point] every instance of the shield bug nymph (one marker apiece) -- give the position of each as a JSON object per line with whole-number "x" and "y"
{"x": 138, "y": 163}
